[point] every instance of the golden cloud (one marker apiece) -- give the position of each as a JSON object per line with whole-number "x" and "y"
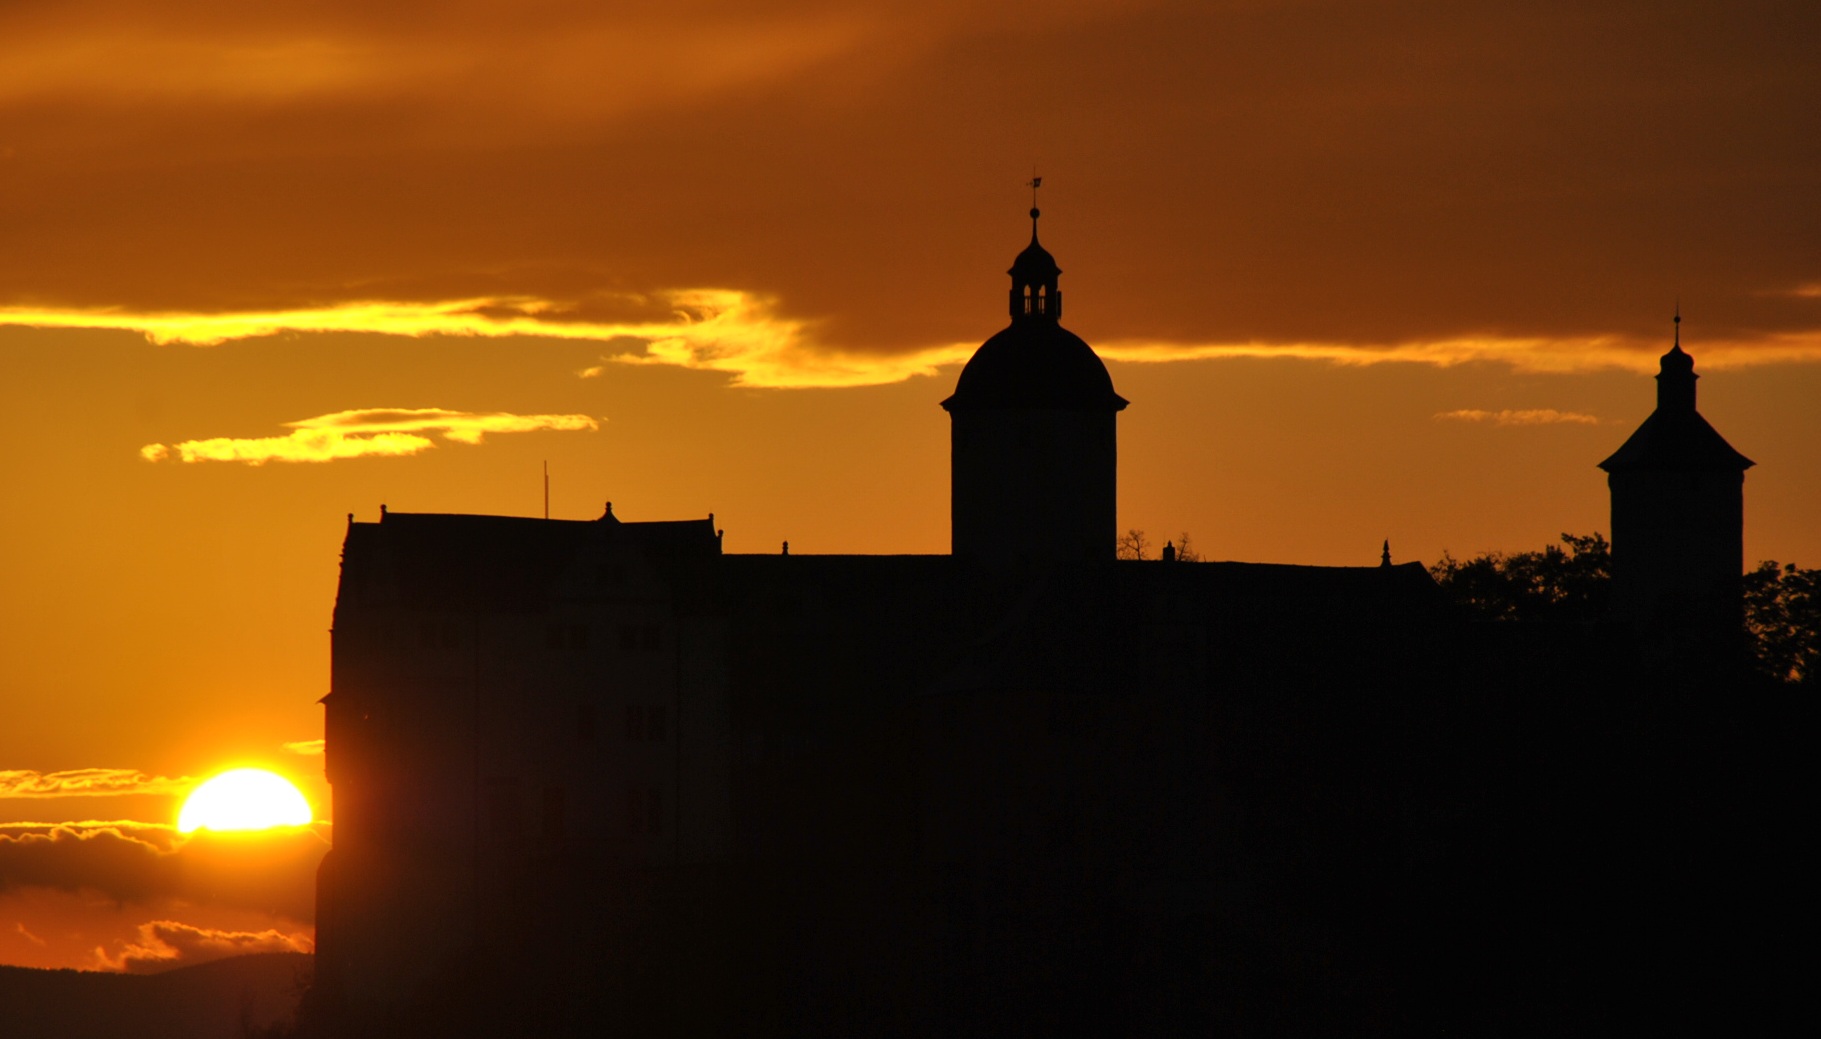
{"x": 362, "y": 433}
{"x": 164, "y": 944}
{"x": 87, "y": 782}
{"x": 305, "y": 746}
{"x": 1522, "y": 417}
{"x": 746, "y": 336}
{"x": 1538, "y": 354}
{"x": 722, "y": 330}
{"x": 157, "y": 836}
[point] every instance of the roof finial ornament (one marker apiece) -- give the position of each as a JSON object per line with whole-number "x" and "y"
{"x": 1678, "y": 344}
{"x": 1034, "y": 183}
{"x": 1384, "y": 558}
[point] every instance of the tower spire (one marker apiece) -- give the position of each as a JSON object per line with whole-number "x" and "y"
{"x": 1034, "y": 183}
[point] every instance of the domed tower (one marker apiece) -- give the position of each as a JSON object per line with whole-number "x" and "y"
{"x": 1678, "y": 518}
{"x": 1034, "y": 453}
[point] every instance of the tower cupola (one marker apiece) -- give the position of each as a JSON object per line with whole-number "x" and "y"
{"x": 1676, "y": 378}
{"x": 1034, "y": 274}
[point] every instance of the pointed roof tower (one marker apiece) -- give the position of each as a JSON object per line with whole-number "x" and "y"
{"x": 1675, "y": 437}
{"x": 1035, "y": 362}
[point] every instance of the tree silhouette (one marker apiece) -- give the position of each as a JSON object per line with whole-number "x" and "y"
{"x": 1551, "y": 585}
{"x": 1132, "y": 545}
{"x": 1782, "y": 601}
{"x": 1136, "y": 544}
{"x": 1783, "y": 615}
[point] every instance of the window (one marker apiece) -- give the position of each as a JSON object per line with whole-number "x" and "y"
{"x": 501, "y": 808}
{"x": 567, "y": 636}
{"x": 641, "y": 636}
{"x": 554, "y": 822}
{"x": 442, "y": 635}
{"x": 647, "y": 723}
{"x": 644, "y": 811}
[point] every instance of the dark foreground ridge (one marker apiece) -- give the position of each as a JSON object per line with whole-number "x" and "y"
{"x": 234, "y": 998}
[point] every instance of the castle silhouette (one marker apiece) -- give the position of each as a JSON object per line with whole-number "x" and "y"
{"x": 600, "y": 775}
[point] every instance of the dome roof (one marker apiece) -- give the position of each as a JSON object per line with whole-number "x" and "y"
{"x": 1035, "y": 364}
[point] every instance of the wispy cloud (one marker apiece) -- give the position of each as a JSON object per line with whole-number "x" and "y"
{"x": 165, "y": 944}
{"x": 722, "y": 330}
{"x": 305, "y": 746}
{"x": 384, "y": 432}
{"x": 87, "y": 782}
{"x": 749, "y": 337}
{"x": 1522, "y": 417}
{"x": 1563, "y": 354}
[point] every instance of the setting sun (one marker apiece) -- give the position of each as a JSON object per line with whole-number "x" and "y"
{"x": 244, "y": 799}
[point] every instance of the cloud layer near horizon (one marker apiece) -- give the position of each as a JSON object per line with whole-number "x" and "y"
{"x": 167, "y": 944}
{"x": 152, "y": 865}
{"x": 88, "y": 782}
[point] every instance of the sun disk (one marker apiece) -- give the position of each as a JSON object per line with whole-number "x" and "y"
{"x": 243, "y": 799}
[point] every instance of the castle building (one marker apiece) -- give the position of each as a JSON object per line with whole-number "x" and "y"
{"x": 598, "y": 776}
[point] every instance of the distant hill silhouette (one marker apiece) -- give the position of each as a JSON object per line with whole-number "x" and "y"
{"x": 218, "y": 1000}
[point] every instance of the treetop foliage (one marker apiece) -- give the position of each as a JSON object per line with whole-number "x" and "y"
{"x": 1572, "y": 583}
{"x": 1551, "y": 585}
{"x": 1783, "y": 614}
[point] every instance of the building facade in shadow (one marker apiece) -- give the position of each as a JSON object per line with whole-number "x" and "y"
{"x": 600, "y": 775}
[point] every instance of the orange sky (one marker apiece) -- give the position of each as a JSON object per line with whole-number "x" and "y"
{"x": 1393, "y": 270}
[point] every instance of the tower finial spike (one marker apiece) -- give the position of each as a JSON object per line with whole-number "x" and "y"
{"x": 1678, "y": 322}
{"x": 1034, "y": 183}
